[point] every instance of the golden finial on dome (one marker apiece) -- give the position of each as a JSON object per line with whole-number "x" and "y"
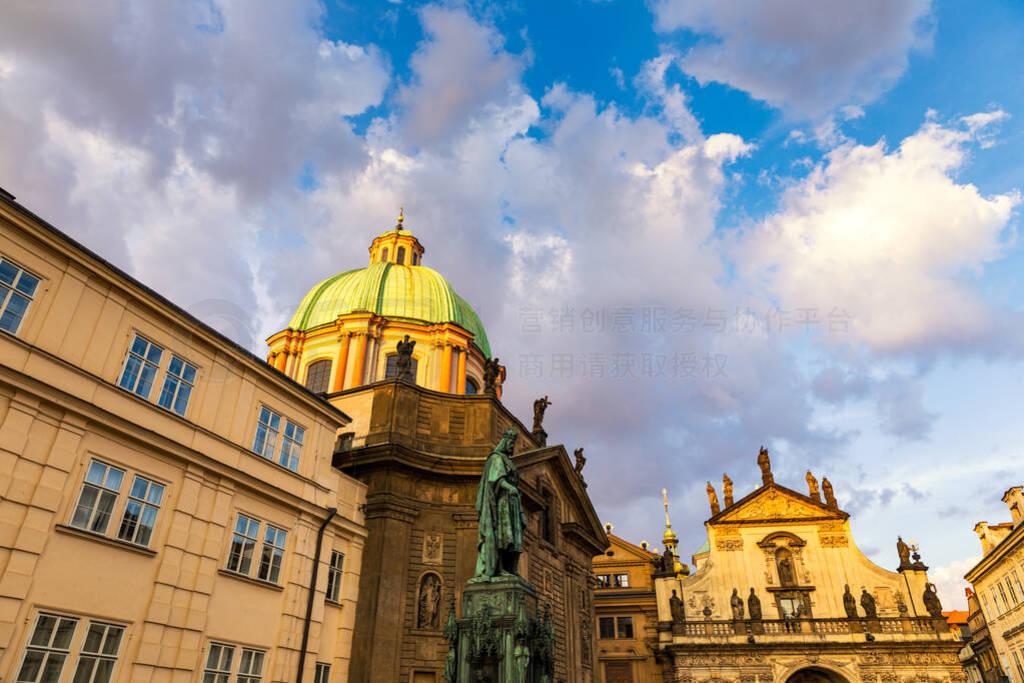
{"x": 401, "y": 217}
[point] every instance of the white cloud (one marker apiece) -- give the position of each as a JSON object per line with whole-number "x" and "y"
{"x": 891, "y": 238}
{"x": 950, "y": 583}
{"x": 809, "y": 58}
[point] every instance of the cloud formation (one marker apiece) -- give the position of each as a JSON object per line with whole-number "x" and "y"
{"x": 806, "y": 58}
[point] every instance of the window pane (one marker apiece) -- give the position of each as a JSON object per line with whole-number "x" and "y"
{"x": 156, "y": 494}
{"x": 606, "y": 627}
{"x": 65, "y": 630}
{"x": 52, "y": 668}
{"x": 83, "y": 673}
{"x": 8, "y": 271}
{"x": 27, "y": 284}
{"x": 30, "y": 667}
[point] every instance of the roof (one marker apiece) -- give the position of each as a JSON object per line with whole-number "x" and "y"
{"x": 704, "y": 548}
{"x": 955, "y": 617}
{"x": 392, "y": 291}
{"x": 8, "y": 198}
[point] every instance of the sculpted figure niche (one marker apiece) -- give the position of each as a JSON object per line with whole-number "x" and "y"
{"x": 500, "y": 535}
{"x": 429, "y": 614}
{"x": 784, "y": 563}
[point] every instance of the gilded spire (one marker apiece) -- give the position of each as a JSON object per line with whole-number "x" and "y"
{"x": 401, "y": 217}
{"x": 670, "y": 536}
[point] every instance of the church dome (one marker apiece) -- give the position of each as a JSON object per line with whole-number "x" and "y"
{"x": 390, "y": 290}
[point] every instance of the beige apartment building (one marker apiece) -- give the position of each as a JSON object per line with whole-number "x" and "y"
{"x": 997, "y": 584}
{"x": 168, "y": 506}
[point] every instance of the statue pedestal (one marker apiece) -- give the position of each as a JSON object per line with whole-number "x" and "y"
{"x": 501, "y": 637}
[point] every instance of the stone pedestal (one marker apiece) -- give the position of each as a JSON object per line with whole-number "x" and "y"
{"x": 501, "y": 637}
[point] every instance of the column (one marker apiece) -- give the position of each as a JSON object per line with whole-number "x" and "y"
{"x": 460, "y": 375}
{"x": 342, "y": 364}
{"x": 360, "y": 339}
{"x": 280, "y": 358}
{"x": 446, "y": 368}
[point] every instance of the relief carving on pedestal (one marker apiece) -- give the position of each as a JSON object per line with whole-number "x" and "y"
{"x": 433, "y": 544}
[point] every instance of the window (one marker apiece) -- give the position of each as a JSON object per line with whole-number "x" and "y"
{"x": 99, "y": 493}
{"x": 1020, "y": 589}
{"x": 250, "y": 666}
{"x": 984, "y": 604}
{"x": 1002, "y": 594}
{"x": 606, "y": 627}
{"x": 995, "y": 601}
{"x": 99, "y": 653}
{"x": 624, "y": 627}
{"x": 604, "y": 580}
{"x": 471, "y": 387}
{"x": 1020, "y": 669}
{"x": 615, "y": 627}
{"x": 140, "y": 367}
{"x": 177, "y": 385}
{"x": 140, "y": 512}
{"x": 1013, "y": 593}
{"x": 323, "y": 673}
{"x": 220, "y": 659}
{"x": 415, "y": 258}
{"x": 52, "y": 642}
{"x": 16, "y": 291}
{"x": 318, "y": 376}
{"x": 291, "y": 446}
{"x": 273, "y": 551}
{"x": 385, "y": 256}
{"x": 391, "y": 367}
{"x": 243, "y": 544}
{"x": 400, "y": 256}
{"x": 620, "y": 581}
{"x": 334, "y": 576}
{"x": 266, "y": 433}
{"x": 789, "y": 607}
{"x": 47, "y": 649}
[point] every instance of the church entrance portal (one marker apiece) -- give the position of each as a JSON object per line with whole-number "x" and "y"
{"x": 815, "y": 675}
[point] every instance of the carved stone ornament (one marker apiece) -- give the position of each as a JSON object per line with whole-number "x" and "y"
{"x": 433, "y": 545}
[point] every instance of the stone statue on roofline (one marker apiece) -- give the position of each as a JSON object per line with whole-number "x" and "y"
{"x": 727, "y": 489}
{"x": 492, "y": 368}
{"x": 404, "y": 360}
{"x": 765, "y": 463}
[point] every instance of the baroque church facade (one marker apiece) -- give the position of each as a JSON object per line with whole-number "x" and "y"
{"x": 780, "y": 592}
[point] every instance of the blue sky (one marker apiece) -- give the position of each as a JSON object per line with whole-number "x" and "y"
{"x": 815, "y": 206}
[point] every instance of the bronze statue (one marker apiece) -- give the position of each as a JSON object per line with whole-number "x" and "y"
{"x": 500, "y": 510}
{"x": 830, "y": 496}
{"x": 539, "y": 406}
{"x": 491, "y": 372}
{"x": 932, "y": 602}
{"x": 404, "y": 360}
{"x": 867, "y": 602}
{"x": 812, "y": 487}
{"x": 903, "y": 550}
{"x": 713, "y": 499}
{"x": 429, "y": 602}
{"x": 754, "y": 606}
{"x": 669, "y": 561}
{"x": 451, "y": 634}
{"x": 580, "y": 460}
{"x": 850, "y": 604}
{"x": 727, "y": 489}
{"x": 736, "y": 602}
{"x": 675, "y": 606}
{"x": 766, "y": 467}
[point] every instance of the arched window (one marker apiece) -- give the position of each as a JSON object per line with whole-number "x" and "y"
{"x": 471, "y": 387}
{"x": 415, "y": 258}
{"x": 400, "y": 260}
{"x": 318, "y": 376}
{"x": 391, "y": 367}
{"x": 384, "y": 256}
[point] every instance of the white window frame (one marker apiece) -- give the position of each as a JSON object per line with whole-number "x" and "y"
{"x": 322, "y": 673}
{"x": 247, "y": 538}
{"x": 145, "y": 361}
{"x": 617, "y": 580}
{"x": 148, "y": 499}
{"x": 106, "y": 650}
{"x": 272, "y": 554}
{"x": 18, "y": 289}
{"x": 178, "y": 386}
{"x": 291, "y": 445}
{"x": 101, "y": 488}
{"x": 244, "y": 664}
{"x": 335, "y": 573}
{"x": 271, "y": 429}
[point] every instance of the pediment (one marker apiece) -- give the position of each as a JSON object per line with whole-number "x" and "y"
{"x": 625, "y": 550}
{"x": 775, "y": 503}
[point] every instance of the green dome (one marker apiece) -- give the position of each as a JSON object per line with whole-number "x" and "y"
{"x": 392, "y": 291}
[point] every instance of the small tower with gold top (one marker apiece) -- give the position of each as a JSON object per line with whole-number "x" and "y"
{"x": 670, "y": 539}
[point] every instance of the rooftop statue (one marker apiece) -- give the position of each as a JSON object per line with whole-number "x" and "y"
{"x": 713, "y": 499}
{"x": 491, "y": 370}
{"x": 766, "y": 467}
{"x": 539, "y": 406}
{"x": 931, "y": 601}
{"x": 867, "y": 601}
{"x": 500, "y": 511}
{"x": 727, "y": 489}
{"x": 830, "y": 495}
{"x": 903, "y": 550}
{"x": 580, "y": 460}
{"x": 850, "y": 604}
{"x": 812, "y": 487}
{"x": 404, "y": 360}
